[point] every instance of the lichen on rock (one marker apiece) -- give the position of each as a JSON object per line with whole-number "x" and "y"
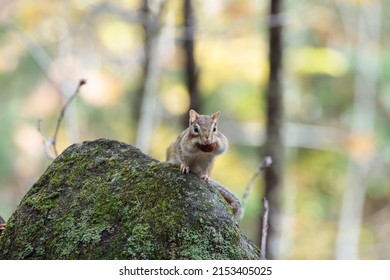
{"x": 104, "y": 199}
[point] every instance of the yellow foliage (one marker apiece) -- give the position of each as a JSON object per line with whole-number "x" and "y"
{"x": 175, "y": 99}
{"x": 30, "y": 12}
{"x": 119, "y": 36}
{"x": 309, "y": 60}
{"x": 162, "y": 137}
{"x": 227, "y": 59}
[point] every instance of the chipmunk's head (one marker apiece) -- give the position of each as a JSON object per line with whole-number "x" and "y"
{"x": 203, "y": 128}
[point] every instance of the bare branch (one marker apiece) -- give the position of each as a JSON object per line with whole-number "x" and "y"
{"x": 265, "y": 164}
{"x": 81, "y": 83}
{"x": 264, "y": 230}
{"x": 51, "y": 142}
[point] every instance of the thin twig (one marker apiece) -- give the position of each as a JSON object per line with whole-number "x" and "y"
{"x": 51, "y": 142}
{"x": 265, "y": 164}
{"x": 264, "y": 230}
{"x": 81, "y": 83}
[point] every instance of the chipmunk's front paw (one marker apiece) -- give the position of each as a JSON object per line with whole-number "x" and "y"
{"x": 184, "y": 168}
{"x": 205, "y": 178}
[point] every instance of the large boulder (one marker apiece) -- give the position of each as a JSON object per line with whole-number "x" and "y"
{"x": 107, "y": 200}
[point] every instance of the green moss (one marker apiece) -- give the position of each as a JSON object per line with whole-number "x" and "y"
{"x": 106, "y": 200}
{"x": 141, "y": 244}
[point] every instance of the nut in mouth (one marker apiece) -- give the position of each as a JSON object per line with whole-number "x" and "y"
{"x": 207, "y": 148}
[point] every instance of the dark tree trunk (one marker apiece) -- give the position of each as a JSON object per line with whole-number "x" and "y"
{"x": 191, "y": 71}
{"x": 273, "y": 145}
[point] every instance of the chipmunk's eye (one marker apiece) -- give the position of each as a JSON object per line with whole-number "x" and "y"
{"x": 196, "y": 128}
{"x": 214, "y": 127}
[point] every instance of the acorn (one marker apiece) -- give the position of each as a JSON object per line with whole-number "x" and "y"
{"x": 207, "y": 148}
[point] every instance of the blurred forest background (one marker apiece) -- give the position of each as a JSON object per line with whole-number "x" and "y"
{"x": 335, "y": 192}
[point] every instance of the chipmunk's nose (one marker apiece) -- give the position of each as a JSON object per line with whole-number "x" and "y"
{"x": 207, "y": 141}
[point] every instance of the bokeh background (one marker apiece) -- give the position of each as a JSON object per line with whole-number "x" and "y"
{"x": 336, "y": 104}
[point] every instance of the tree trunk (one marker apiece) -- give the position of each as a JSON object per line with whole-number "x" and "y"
{"x": 148, "y": 95}
{"x": 273, "y": 144}
{"x": 191, "y": 71}
{"x": 359, "y": 166}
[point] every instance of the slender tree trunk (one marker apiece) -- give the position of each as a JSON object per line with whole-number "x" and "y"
{"x": 148, "y": 97}
{"x": 191, "y": 72}
{"x": 362, "y": 126}
{"x": 273, "y": 144}
{"x": 146, "y": 20}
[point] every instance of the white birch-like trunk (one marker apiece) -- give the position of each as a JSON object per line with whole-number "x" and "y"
{"x": 362, "y": 124}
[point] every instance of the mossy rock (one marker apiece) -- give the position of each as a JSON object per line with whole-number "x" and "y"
{"x": 107, "y": 200}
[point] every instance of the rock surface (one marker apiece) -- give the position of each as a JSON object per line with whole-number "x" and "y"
{"x": 107, "y": 200}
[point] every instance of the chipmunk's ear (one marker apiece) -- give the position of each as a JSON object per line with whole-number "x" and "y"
{"x": 215, "y": 117}
{"x": 193, "y": 116}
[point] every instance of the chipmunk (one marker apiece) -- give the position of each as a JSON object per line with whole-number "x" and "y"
{"x": 196, "y": 148}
